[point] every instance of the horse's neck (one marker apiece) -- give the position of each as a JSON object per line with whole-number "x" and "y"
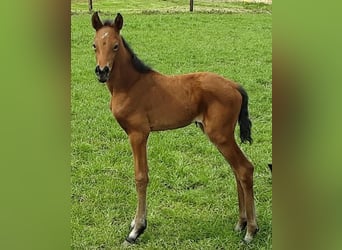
{"x": 123, "y": 75}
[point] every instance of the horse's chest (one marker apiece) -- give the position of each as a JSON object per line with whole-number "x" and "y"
{"x": 118, "y": 108}
{"x": 122, "y": 108}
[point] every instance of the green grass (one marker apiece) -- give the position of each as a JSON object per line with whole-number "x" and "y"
{"x": 192, "y": 199}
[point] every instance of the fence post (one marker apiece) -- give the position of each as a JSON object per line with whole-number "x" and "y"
{"x": 90, "y": 4}
{"x": 191, "y": 5}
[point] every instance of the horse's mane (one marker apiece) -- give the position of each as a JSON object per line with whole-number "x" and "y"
{"x": 139, "y": 65}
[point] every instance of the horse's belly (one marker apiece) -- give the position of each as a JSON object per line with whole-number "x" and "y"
{"x": 170, "y": 120}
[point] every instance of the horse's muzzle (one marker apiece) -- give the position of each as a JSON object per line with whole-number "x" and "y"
{"x": 102, "y": 74}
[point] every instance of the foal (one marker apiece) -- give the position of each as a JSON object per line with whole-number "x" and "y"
{"x": 144, "y": 100}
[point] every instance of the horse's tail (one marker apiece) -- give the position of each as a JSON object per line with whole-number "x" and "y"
{"x": 244, "y": 121}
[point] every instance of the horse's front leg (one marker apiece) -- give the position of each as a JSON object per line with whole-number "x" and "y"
{"x": 138, "y": 142}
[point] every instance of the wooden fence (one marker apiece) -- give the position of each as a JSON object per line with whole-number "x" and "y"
{"x": 90, "y": 3}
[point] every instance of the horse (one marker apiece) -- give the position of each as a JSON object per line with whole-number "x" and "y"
{"x": 144, "y": 100}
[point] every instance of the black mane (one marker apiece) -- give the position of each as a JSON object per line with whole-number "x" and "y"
{"x": 139, "y": 65}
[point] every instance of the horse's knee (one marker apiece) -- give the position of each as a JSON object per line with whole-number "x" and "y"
{"x": 141, "y": 180}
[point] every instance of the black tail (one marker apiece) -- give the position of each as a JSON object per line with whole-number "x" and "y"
{"x": 244, "y": 121}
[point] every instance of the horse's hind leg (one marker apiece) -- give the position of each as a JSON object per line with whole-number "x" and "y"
{"x": 242, "y": 222}
{"x": 223, "y": 138}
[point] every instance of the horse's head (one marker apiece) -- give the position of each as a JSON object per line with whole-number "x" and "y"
{"x": 107, "y": 43}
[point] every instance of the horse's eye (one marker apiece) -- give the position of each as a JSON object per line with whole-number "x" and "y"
{"x": 116, "y": 47}
{"x": 94, "y": 46}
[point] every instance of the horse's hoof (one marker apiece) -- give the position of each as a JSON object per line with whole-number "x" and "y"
{"x": 250, "y": 236}
{"x": 247, "y": 239}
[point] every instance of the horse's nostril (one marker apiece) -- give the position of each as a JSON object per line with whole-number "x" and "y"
{"x": 100, "y": 71}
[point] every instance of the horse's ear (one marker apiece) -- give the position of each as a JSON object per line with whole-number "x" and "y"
{"x": 118, "y": 22}
{"x": 96, "y": 22}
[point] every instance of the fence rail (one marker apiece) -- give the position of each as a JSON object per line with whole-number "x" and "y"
{"x": 224, "y": 6}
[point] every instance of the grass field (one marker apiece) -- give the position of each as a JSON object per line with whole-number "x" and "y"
{"x": 192, "y": 199}
{"x": 170, "y": 6}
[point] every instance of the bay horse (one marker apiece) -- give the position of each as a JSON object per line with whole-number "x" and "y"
{"x": 143, "y": 100}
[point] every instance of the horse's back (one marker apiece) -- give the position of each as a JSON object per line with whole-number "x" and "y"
{"x": 211, "y": 87}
